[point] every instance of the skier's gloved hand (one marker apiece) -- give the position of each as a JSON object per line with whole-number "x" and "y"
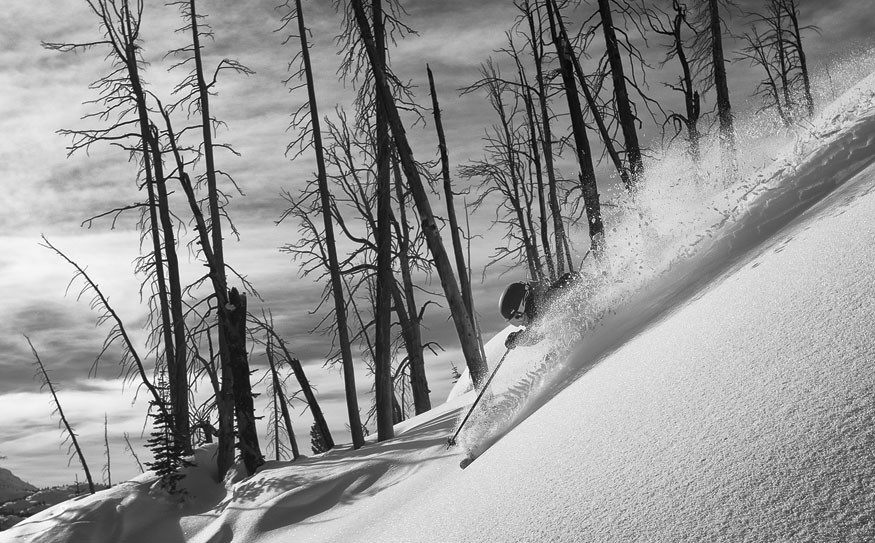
{"x": 512, "y": 339}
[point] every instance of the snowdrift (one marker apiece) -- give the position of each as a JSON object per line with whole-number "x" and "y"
{"x": 718, "y": 387}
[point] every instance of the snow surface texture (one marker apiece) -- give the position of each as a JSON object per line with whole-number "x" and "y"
{"x": 722, "y": 391}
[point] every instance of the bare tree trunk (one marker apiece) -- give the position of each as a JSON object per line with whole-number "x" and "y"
{"x": 106, "y": 448}
{"x": 464, "y": 326}
{"x": 793, "y": 13}
{"x": 724, "y": 108}
{"x": 276, "y": 424}
{"x": 172, "y": 323}
{"x": 225, "y": 401}
{"x": 515, "y": 192}
{"x": 48, "y": 382}
{"x": 528, "y": 199}
{"x": 120, "y": 331}
{"x": 306, "y": 389}
{"x": 781, "y": 50}
{"x": 455, "y": 231}
{"x": 355, "y": 424}
{"x": 756, "y": 51}
{"x": 547, "y": 141}
{"x": 535, "y": 159}
{"x": 692, "y": 100}
{"x": 315, "y": 409}
{"x": 280, "y": 398}
{"x": 581, "y": 140}
{"x": 607, "y": 140}
{"x": 621, "y": 94}
{"x": 243, "y": 403}
{"x": 178, "y": 366}
{"x": 385, "y": 281}
{"x": 407, "y": 310}
{"x": 224, "y": 390}
{"x": 673, "y": 28}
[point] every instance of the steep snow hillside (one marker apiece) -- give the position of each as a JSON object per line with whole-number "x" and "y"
{"x": 716, "y": 385}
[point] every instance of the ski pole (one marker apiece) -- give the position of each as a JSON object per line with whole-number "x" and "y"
{"x": 452, "y": 441}
{"x": 582, "y": 260}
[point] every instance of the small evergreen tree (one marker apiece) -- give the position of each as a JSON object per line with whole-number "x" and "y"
{"x": 166, "y": 448}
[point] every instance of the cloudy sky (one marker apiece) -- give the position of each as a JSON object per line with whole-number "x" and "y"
{"x": 48, "y": 193}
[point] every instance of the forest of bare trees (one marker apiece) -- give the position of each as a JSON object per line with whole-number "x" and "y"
{"x": 575, "y": 94}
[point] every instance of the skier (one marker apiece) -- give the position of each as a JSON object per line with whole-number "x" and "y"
{"x": 522, "y": 304}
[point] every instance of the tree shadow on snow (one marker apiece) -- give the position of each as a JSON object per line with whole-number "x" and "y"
{"x": 289, "y": 493}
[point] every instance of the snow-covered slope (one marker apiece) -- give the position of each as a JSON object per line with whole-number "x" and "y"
{"x": 723, "y": 391}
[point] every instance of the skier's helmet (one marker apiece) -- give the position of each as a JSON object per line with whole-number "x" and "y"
{"x": 513, "y": 302}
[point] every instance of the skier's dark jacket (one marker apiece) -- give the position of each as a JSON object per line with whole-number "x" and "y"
{"x": 539, "y": 299}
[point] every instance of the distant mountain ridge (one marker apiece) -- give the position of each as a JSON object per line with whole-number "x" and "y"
{"x": 13, "y": 488}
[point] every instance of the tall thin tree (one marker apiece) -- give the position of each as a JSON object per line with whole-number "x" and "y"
{"x": 583, "y": 150}
{"x": 622, "y": 103}
{"x": 712, "y": 66}
{"x": 385, "y": 280}
{"x": 536, "y": 36}
{"x": 455, "y": 231}
{"x": 71, "y": 435}
{"x": 464, "y": 326}
{"x": 325, "y": 199}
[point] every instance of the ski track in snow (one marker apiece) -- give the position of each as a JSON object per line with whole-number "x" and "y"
{"x": 596, "y": 318}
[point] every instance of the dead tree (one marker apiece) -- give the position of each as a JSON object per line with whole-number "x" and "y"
{"x": 791, "y": 10}
{"x": 385, "y": 282}
{"x": 386, "y": 27}
{"x": 504, "y": 171}
{"x": 280, "y": 406}
{"x": 351, "y": 154}
{"x": 711, "y": 67}
{"x": 673, "y": 27}
{"x": 455, "y": 231}
{"x": 368, "y": 284}
{"x": 760, "y": 54}
{"x": 778, "y": 52}
{"x": 588, "y": 185}
{"x": 534, "y": 155}
{"x": 464, "y": 326}
{"x": 197, "y": 89}
{"x": 409, "y": 314}
{"x": 307, "y": 391}
{"x": 124, "y": 99}
{"x": 236, "y": 314}
{"x": 130, "y": 448}
{"x": 46, "y": 382}
{"x": 130, "y": 363}
{"x": 228, "y": 328}
{"x": 537, "y": 43}
{"x": 108, "y": 467}
{"x": 166, "y": 441}
{"x": 781, "y": 46}
{"x": 314, "y": 131}
{"x": 622, "y": 103}
{"x": 177, "y": 362}
{"x": 596, "y": 110}
{"x": 225, "y": 400}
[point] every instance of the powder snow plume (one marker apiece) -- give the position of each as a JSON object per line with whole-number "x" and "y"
{"x": 683, "y": 229}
